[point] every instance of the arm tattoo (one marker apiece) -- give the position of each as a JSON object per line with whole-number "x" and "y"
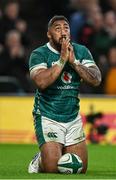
{"x": 90, "y": 74}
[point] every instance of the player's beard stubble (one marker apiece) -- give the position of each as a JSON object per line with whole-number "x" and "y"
{"x": 57, "y": 43}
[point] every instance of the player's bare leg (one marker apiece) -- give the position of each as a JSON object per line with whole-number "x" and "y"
{"x": 50, "y": 154}
{"x": 81, "y": 150}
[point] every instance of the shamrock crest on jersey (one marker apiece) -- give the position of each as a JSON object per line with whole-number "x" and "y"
{"x": 66, "y": 77}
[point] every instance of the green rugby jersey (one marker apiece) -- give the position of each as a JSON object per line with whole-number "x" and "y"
{"x": 60, "y": 100}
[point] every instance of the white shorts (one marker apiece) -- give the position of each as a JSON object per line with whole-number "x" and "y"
{"x": 65, "y": 133}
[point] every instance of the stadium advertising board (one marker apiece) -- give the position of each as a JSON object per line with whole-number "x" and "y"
{"x": 16, "y": 121}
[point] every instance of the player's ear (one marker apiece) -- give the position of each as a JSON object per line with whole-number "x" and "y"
{"x": 48, "y": 35}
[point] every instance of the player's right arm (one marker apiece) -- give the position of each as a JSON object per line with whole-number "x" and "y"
{"x": 45, "y": 77}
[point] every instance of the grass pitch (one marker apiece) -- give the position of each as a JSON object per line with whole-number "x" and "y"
{"x": 14, "y": 160}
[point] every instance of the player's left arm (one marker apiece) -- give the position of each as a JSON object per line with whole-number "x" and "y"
{"x": 90, "y": 74}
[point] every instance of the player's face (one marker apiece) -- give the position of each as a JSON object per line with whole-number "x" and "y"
{"x": 59, "y": 30}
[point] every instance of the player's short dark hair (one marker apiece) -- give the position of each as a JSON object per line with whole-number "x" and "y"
{"x": 57, "y": 18}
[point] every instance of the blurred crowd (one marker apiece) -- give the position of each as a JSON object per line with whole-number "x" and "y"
{"x": 14, "y": 43}
{"x": 95, "y": 27}
{"x": 92, "y": 22}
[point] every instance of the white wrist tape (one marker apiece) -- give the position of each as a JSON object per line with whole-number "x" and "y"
{"x": 76, "y": 62}
{"x": 60, "y": 62}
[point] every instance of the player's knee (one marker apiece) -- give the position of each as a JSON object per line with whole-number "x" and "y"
{"x": 50, "y": 168}
{"x": 84, "y": 170}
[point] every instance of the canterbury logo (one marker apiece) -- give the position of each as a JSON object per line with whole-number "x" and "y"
{"x": 52, "y": 135}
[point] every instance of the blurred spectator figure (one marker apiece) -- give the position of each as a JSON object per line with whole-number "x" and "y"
{"x": 94, "y": 25}
{"x": 88, "y": 36}
{"x": 106, "y": 39}
{"x": 110, "y": 23}
{"x": 13, "y": 43}
{"x": 107, "y": 36}
{"x": 21, "y": 26}
{"x": 12, "y": 10}
{"x": 99, "y": 35}
{"x": 110, "y": 80}
{"x": 79, "y": 17}
{"x": 12, "y": 60}
{"x": 11, "y": 21}
{"x": 9, "y": 18}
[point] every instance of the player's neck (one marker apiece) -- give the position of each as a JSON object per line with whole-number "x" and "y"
{"x": 55, "y": 47}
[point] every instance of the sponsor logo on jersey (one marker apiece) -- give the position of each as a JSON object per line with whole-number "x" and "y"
{"x": 66, "y": 77}
{"x": 66, "y": 87}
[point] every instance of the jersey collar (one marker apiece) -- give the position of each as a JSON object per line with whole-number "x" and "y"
{"x": 52, "y": 49}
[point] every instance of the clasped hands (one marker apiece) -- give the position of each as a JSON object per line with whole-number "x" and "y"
{"x": 67, "y": 52}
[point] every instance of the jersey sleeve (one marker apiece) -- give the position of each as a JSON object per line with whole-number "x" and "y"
{"x": 87, "y": 58}
{"x": 37, "y": 61}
